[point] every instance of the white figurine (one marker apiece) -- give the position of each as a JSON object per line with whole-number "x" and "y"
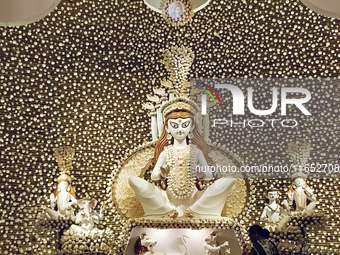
{"x": 212, "y": 248}
{"x": 62, "y": 199}
{"x": 145, "y": 244}
{"x": 272, "y": 212}
{"x": 301, "y": 196}
{"x": 87, "y": 218}
{"x": 176, "y": 10}
{"x": 178, "y": 151}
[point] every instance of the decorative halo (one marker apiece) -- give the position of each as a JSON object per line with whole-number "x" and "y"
{"x": 177, "y": 12}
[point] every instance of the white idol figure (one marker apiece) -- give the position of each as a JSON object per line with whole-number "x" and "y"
{"x": 273, "y": 212}
{"x": 212, "y": 248}
{"x": 144, "y": 246}
{"x": 178, "y": 151}
{"x": 301, "y": 196}
{"x": 176, "y": 10}
{"x": 63, "y": 197}
{"x": 87, "y": 218}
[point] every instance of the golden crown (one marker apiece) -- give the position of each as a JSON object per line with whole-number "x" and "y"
{"x": 179, "y": 103}
{"x": 272, "y": 188}
{"x": 64, "y": 177}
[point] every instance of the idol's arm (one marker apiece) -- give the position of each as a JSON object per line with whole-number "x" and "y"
{"x": 204, "y": 164}
{"x": 264, "y": 214}
{"x": 201, "y": 159}
{"x": 53, "y": 200}
{"x": 80, "y": 217}
{"x": 156, "y": 173}
{"x": 73, "y": 201}
{"x": 210, "y": 248}
{"x": 310, "y": 195}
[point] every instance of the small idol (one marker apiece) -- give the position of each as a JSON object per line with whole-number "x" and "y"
{"x": 62, "y": 199}
{"x": 301, "y": 196}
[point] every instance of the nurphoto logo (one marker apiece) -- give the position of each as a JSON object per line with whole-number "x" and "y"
{"x": 281, "y": 97}
{"x": 239, "y": 104}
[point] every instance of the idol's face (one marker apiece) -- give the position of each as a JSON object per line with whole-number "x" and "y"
{"x": 179, "y": 128}
{"x": 272, "y": 195}
{"x": 211, "y": 239}
{"x": 299, "y": 182}
{"x": 63, "y": 185}
{"x": 148, "y": 242}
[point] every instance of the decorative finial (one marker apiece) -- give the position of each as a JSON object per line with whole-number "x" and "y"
{"x": 174, "y": 93}
{"x": 178, "y": 61}
{"x": 64, "y": 156}
{"x": 299, "y": 153}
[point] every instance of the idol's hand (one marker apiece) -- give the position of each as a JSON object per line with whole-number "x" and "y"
{"x": 200, "y": 175}
{"x": 165, "y": 170}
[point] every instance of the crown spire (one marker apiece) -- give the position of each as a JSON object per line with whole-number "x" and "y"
{"x": 178, "y": 61}
{"x": 299, "y": 152}
{"x": 64, "y": 156}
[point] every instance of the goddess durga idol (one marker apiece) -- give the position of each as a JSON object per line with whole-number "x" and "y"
{"x": 179, "y": 150}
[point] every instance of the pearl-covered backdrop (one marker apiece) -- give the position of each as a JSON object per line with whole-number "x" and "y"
{"x": 79, "y": 77}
